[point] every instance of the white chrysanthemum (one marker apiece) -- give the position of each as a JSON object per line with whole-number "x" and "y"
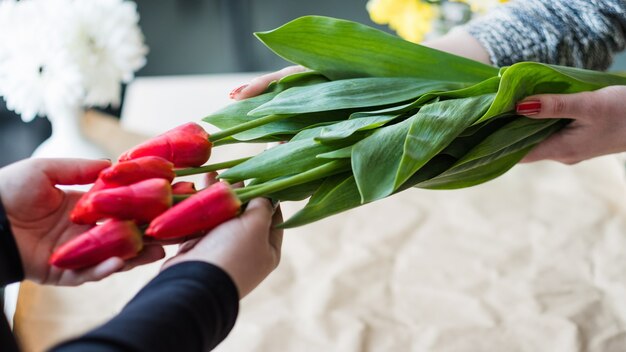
{"x": 108, "y": 46}
{"x": 58, "y": 55}
{"x": 6, "y": 11}
{"x": 35, "y": 77}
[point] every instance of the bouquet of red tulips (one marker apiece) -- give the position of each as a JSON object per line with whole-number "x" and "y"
{"x": 374, "y": 116}
{"x": 135, "y": 197}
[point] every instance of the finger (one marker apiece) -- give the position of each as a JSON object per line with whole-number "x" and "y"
{"x": 94, "y": 273}
{"x": 260, "y": 84}
{"x": 106, "y": 268}
{"x": 149, "y": 254}
{"x": 276, "y": 234}
{"x": 258, "y": 214}
{"x": 211, "y": 178}
{"x": 546, "y": 106}
{"x": 261, "y": 207}
{"x": 188, "y": 245}
{"x": 558, "y": 147}
{"x": 72, "y": 171}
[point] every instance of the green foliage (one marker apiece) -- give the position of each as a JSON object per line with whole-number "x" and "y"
{"x": 378, "y": 115}
{"x": 342, "y": 49}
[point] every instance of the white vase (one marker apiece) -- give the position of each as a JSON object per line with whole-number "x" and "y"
{"x": 67, "y": 140}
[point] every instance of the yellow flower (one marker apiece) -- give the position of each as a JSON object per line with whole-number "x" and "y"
{"x": 411, "y": 19}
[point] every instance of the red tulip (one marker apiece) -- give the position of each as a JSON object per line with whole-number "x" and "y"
{"x": 142, "y": 202}
{"x": 114, "y": 238}
{"x": 199, "y": 213}
{"x": 132, "y": 171}
{"x": 186, "y": 146}
{"x": 129, "y": 172}
{"x": 183, "y": 187}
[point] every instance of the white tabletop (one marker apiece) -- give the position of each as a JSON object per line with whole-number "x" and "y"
{"x": 156, "y": 104}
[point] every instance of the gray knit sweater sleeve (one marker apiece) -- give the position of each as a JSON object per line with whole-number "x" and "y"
{"x": 580, "y": 33}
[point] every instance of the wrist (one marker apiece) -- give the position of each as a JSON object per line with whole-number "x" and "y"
{"x": 182, "y": 259}
{"x": 460, "y": 42}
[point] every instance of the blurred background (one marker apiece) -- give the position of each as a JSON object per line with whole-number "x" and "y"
{"x": 188, "y": 37}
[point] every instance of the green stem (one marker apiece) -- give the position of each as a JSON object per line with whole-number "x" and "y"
{"x": 328, "y": 169}
{"x": 245, "y": 126}
{"x": 209, "y": 168}
{"x": 177, "y": 198}
{"x": 225, "y": 141}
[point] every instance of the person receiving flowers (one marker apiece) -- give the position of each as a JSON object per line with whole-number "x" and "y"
{"x": 190, "y": 306}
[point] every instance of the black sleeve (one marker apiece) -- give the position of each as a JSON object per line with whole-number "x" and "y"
{"x": 190, "y": 306}
{"x": 10, "y": 262}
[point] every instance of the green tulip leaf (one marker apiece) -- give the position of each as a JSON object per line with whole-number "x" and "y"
{"x": 342, "y": 49}
{"x": 385, "y": 160}
{"x": 349, "y": 94}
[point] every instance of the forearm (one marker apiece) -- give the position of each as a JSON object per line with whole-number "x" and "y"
{"x": 461, "y": 43}
{"x": 190, "y": 306}
{"x": 580, "y": 33}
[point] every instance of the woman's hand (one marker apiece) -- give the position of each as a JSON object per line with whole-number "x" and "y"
{"x": 247, "y": 247}
{"x": 39, "y": 216}
{"x": 598, "y": 126}
{"x": 260, "y": 84}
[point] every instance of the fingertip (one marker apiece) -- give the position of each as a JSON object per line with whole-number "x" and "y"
{"x": 155, "y": 251}
{"x": 238, "y": 92}
{"x": 94, "y": 164}
{"x": 529, "y": 107}
{"x": 261, "y": 207}
{"x": 72, "y": 171}
{"x": 261, "y": 203}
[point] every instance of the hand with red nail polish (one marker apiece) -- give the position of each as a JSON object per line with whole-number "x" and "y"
{"x": 598, "y": 124}
{"x": 260, "y": 84}
{"x": 38, "y": 213}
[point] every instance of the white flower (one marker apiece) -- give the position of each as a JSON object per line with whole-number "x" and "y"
{"x": 35, "y": 78}
{"x": 108, "y": 47}
{"x": 6, "y": 11}
{"x": 59, "y": 55}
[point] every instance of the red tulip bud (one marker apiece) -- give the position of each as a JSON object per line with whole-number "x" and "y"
{"x": 186, "y": 146}
{"x": 183, "y": 187}
{"x": 199, "y": 213}
{"x": 142, "y": 202}
{"x": 112, "y": 239}
{"x": 129, "y": 172}
{"x": 126, "y": 173}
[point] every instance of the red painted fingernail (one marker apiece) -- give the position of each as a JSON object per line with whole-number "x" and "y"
{"x": 529, "y": 107}
{"x": 237, "y": 91}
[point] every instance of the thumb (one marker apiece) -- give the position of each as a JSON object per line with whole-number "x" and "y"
{"x": 573, "y": 106}
{"x": 72, "y": 171}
